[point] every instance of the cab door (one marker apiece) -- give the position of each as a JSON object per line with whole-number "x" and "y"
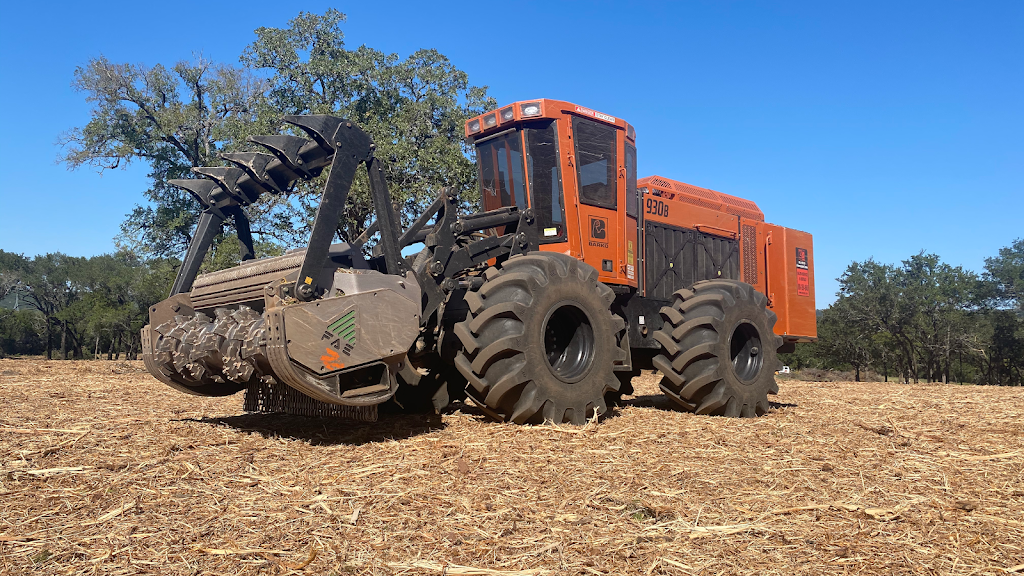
{"x": 596, "y": 167}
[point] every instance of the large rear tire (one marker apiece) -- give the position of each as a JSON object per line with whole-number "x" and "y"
{"x": 719, "y": 349}
{"x": 540, "y": 341}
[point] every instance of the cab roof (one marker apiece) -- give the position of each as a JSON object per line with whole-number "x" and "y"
{"x": 524, "y": 110}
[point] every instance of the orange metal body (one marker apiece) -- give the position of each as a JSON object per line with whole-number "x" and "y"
{"x": 777, "y": 261}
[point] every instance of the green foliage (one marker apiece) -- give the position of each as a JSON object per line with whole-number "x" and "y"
{"x": 82, "y": 305}
{"x": 11, "y": 266}
{"x": 20, "y": 332}
{"x": 1005, "y": 275}
{"x": 414, "y": 108}
{"x": 172, "y": 119}
{"x": 180, "y": 117}
{"x": 926, "y": 319}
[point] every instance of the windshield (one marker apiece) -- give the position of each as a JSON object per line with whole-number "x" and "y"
{"x": 502, "y": 181}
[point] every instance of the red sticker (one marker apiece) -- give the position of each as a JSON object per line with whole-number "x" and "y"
{"x": 803, "y": 282}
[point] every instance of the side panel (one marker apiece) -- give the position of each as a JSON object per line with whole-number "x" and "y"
{"x": 789, "y": 267}
{"x": 677, "y": 258}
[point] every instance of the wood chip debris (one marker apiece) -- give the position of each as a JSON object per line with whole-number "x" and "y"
{"x": 104, "y": 470}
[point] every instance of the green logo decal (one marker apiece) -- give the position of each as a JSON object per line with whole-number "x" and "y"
{"x": 345, "y": 327}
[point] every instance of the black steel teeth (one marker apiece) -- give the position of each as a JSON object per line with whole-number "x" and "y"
{"x": 286, "y": 148}
{"x": 291, "y": 158}
{"x": 255, "y": 165}
{"x": 202, "y": 190}
{"x": 271, "y": 397}
{"x": 320, "y": 127}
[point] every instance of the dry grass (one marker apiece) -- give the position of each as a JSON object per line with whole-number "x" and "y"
{"x": 104, "y": 470}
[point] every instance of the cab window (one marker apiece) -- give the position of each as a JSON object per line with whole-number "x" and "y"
{"x": 500, "y": 162}
{"x": 545, "y": 179}
{"x": 596, "y": 163}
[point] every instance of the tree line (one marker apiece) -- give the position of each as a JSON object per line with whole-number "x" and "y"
{"x": 923, "y": 319}
{"x": 70, "y": 307}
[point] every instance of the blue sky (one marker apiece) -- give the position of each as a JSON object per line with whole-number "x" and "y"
{"x": 883, "y": 128}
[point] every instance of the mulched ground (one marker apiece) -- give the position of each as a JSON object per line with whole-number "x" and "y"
{"x": 104, "y": 470}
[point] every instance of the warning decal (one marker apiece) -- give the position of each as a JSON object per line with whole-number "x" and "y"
{"x": 803, "y": 284}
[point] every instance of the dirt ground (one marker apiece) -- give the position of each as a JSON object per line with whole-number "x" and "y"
{"x": 105, "y": 470}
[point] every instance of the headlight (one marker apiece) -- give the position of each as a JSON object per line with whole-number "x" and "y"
{"x": 490, "y": 120}
{"x": 474, "y": 126}
{"x": 506, "y": 115}
{"x": 530, "y": 109}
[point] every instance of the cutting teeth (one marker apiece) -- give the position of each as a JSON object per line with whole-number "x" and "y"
{"x": 201, "y": 190}
{"x": 320, "y": 127}
{"x": 227, "y": 179}
{"x": 255, "y": 165}
{"x": 290, "y": 158}
{"x": 286, "y": 148}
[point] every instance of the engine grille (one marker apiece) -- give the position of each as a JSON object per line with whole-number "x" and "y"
{"x": 749, "y": 254}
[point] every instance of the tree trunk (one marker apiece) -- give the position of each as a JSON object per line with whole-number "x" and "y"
{"x": 49, "y": 340}
{"x": 117, "y": 350}
{"x": 110, "y": 349}
{"x": 856, "y": 370}
{"x": 63, "y": 341}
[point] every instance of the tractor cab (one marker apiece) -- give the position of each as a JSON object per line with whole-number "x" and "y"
{"x": 575, "y": 167}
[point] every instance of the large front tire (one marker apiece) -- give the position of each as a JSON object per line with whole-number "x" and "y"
{"x": 719, "y": 349}
{"x": 540, "y": 341}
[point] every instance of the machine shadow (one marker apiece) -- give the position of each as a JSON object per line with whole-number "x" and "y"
{"x": 661, "y": 402}
{"x": 330, "y": 431}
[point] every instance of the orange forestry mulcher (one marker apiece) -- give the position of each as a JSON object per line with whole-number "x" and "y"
{"x": 543, "y": 306}
{"x": 709, "y": 290}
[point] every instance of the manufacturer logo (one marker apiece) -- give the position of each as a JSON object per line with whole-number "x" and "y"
{"x": 330, "y": 360}
{"x": 342, "y": 332}
{"x": 598, "y": 231}
{"x": 345, "y": 327}
{"x": 595, "y": 114}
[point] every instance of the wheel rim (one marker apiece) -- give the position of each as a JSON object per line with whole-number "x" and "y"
{"x": 568, "y": 342}
{"x": 746, "y": 352}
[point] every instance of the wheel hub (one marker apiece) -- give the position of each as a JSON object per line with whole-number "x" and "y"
{"x": 745, "y": 352}
{"x": 569, "y": 342}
